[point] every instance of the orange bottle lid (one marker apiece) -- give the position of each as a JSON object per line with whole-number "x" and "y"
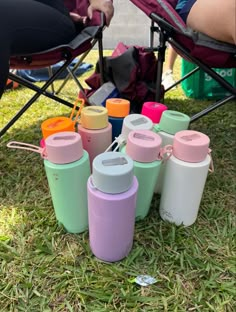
{"x": 117, "y": 107}
{"x": 57, "y": 124}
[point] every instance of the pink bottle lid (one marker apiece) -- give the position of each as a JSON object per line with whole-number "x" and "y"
{"x": 143, "y": 145}
{"x": 64, "y": 147}
{"x": 153, "y": 110}
{"x": 190, "y": 146}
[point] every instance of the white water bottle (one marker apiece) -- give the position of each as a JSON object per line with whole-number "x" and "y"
{"x": 185, "y": 177}
{"x": 170, "y": 123}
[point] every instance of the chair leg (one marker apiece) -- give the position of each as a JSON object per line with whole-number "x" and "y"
{"x": 160, "y": 61}
{"x": 39, "y": 91}
{"x": 81, "y": 59}
{"x": 212, "y": 107}
{"x": 183, "y": 78}
{"x": 101, "y": 59}
{"x": 50, "y": 74}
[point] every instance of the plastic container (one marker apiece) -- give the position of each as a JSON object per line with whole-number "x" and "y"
{"x": 106, "y": 91}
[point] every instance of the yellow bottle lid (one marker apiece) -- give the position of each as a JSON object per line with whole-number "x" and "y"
{"x": 94, "y": 117}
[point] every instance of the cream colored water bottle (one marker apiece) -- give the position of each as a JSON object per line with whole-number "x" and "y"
{"x": 185, "y": 177}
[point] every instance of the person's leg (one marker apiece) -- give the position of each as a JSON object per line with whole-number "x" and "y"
{"x": 216, "y": 18}
{"x": 171, "y": 58}
{"x": 167, "y": 77}
{"x": 29, "y": 26}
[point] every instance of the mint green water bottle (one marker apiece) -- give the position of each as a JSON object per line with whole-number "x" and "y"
{"x": 144, "y": 147}
{"x": 67, "y": 168}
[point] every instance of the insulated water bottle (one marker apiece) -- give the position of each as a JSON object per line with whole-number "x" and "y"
{"x": 170, "y": 123}
{"x": 67, "y": 169}
{"x": 185, "y": 177}
{"x": 135, "y": 122}
{"x": 153, "y": 110}
{"x": 67, "y": 172}
{"x": 61, "y": 123}
{"x": 95, "y": 130}
{"x": 112, "y": 193}
{"x": 117, "y": 110}
{"x": 130, "y": 123}
{"x": 144, "y": 147}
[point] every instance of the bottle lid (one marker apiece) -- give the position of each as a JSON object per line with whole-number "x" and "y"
{"x": 153, "y": 110}
{"x": 117, "y": 107}
{"x": 143, "y": 145}
{"x": 173, "y": 121}
{"x": 135, "y": 122}
{"x": 56, "y": 124}
{"x": 191, "y": 146}
{"x": 64, "y": 147}
{"x": 94, "y": 117}
{"x": 112, "y": 172}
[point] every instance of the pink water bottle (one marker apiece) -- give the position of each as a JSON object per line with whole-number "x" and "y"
{"x": 112, "y": 192}
{"x": 95, "y": 130}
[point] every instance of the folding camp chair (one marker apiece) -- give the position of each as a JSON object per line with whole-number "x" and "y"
{"x": 80, "y": 46}
{"x": 205, "y": 52}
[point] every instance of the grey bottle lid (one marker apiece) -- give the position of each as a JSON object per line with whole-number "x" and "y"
{"x": 112, "y": 172}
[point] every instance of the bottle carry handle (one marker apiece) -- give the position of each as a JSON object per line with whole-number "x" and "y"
{"x": 28, "y": 147}
{"x": 165, "y": 153}
{"x": 119, "y": 140}
{"x": 211, "y": 167}
{"x": 79, "y": 110}
{"x": 156, "y": 128}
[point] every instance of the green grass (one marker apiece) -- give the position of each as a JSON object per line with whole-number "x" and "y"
{"x": 43, "y": 268}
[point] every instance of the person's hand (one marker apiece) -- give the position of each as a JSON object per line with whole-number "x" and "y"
{"x": 78, "y": 18}
{"x": 105, "y": 6}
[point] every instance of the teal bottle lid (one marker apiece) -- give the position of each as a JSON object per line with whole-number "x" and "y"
{"x": 172, "y": 122}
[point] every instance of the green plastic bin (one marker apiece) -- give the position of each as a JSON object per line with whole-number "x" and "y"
{"x": 201, "y": 86}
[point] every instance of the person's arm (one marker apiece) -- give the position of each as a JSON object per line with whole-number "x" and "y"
{"x": 105, "y": 6}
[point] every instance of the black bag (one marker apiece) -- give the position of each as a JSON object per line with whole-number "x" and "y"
{"x": 133, "y": 71}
